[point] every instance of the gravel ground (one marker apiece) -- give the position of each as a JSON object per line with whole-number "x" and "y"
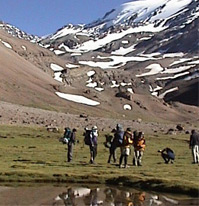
{"x": 12, "y": 114}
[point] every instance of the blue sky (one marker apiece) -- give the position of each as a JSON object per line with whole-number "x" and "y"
{"x": 42, "y": 17}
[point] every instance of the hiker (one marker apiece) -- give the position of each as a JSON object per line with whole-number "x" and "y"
{"x": 194, "y": 146}
{"x": 93, "y": 144}
{"x": 139, "y": 198}
{"x": 71, "y": 143}
{"x": 86, "y": 135}
{"x": 168, "y": 155}
{"x": 116, "y": 142}
{"x": 125, "y": 148}
{"x": 139, "y": 147}
{"x": 109, "y": 138}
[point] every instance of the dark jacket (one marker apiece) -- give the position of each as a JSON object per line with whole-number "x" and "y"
{"x": 118, "y": 138}
{"x": 169, "y": 152}
{"x": 72, "y": 138}
{"x": 194, "y": 139}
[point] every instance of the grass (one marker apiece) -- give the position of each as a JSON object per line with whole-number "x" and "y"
{"x": 31, "y": 154}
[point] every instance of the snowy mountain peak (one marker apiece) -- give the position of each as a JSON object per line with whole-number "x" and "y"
{"x": 16, "y": 32}
{"x": 138, "y": 35}
{"x": 141, "y": 11}
{"x": 146, "y": 47}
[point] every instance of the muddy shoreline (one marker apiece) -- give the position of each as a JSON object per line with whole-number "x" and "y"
{"x": 155, "y": 185}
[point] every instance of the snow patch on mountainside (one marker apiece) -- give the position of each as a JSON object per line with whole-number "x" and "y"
{"x": 72, "y": 66}
{"x": 172, "y": 77}
{"x": 176, "y": 70}
{"x": 194, "y": 62}
{"x": 24, "y": 48}
{"x": 56, "y": 67}
{"x": 180, "y": 61}
{"x": 64, "y": 32}
{"x": 161, "y": 96}
{"x": 58, "y": 52}
{"x": 78, "y": 99}
{"x": 6, "y": 44}
{"x": 57, "y": 76}
{"x": 96, "y": 44}
{"x": 115, "y": 61}
{"x": 90, "y": 73}
{"x": 154, "y": 69}
{"x": 124, "y": 51}
{"x": 127, "y": 107}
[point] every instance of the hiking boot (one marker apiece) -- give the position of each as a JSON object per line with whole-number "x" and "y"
{"x": 120, "y": 166}
{"x": 126, "y": 166}
{"x": 134, "y": 162}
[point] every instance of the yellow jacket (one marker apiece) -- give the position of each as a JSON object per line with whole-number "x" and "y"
{"x": 140, "y": 144}
{"x": 127, "y": 139}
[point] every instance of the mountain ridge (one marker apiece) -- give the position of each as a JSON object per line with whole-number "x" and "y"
{"x": 134, "y": 65}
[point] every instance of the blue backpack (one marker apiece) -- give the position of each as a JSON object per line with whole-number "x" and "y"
{"x": 67, "y": 135}
{"x": 120, "y": 137}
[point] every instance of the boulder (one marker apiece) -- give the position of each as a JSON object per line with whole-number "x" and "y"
{"x": 179, "y": 127}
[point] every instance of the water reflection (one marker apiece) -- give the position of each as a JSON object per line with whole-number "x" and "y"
{"x": 114, "y": 197}
{"x": 86, "y": 196}
{"x": 99, "y": 196}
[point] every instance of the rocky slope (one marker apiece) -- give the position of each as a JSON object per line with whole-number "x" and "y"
{"x": 161, "y": 37}
{"x": 124, "y": 66}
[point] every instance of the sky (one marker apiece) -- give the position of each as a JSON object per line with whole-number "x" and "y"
{"x": 43, "y": 17}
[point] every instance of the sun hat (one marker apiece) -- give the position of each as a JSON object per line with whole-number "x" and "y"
{"x": 94, "y": 127}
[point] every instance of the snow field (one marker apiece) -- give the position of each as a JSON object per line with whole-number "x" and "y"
{"x": 78, "y": 99}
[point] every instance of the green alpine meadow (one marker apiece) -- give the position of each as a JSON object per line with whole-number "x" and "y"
{"x": 35, "y": 155}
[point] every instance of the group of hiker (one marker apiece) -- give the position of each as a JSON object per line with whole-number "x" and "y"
{"x": 125, "y": 140}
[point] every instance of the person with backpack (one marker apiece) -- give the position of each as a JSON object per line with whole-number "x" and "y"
{"x": 116, "y": 142}
{"x": 86, "y": 135}
{"x": 69, "y": 139}
{"x": 93, "y": 145}
{"x": 139, "y": 144}
{"x": 168, "y": 155}
{"x": 194, "y": 146}
{"x": 66, "y": 136}
{"x": 125, "y": 147}
{"x": 90, "y": 139}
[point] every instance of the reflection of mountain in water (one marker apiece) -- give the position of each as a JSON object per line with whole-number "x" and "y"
{"x": 112, "y": 197}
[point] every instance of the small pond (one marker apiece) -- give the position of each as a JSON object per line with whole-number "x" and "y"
{"x": 76, "y": 195}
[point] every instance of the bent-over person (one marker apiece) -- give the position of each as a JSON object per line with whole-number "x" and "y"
{"x": 168, "y": 155}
